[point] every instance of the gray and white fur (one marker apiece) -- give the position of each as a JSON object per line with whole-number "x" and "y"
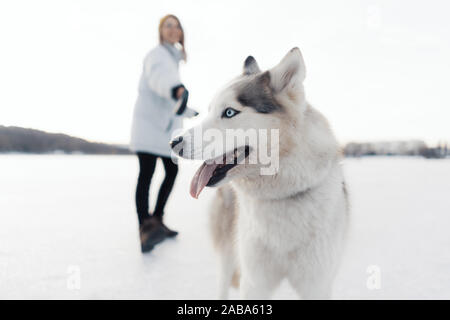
{"x": 291, "y": 225}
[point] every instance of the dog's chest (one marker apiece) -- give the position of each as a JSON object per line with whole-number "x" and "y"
{"x": 278, "y": 225}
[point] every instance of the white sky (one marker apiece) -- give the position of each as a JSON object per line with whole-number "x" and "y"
{"x": 377, "y": 69}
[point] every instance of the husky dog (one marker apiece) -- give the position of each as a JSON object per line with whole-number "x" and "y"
{"x": 291, "y": 224}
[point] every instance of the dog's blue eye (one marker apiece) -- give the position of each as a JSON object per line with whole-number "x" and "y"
{"x": 229, "y": 113}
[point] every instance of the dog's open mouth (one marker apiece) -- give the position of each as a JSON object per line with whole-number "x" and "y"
{"x": 210, "y": 172}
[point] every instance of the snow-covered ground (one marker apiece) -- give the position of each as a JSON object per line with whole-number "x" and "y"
{"x": 68, "y": 229}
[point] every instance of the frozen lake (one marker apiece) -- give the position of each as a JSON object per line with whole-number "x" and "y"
{"x": 68, "y": 230}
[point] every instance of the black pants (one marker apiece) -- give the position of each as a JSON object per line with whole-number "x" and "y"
{"x": 147, "y": 163}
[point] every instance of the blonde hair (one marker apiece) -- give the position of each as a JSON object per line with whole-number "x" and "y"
{"x": 161, "y": 23}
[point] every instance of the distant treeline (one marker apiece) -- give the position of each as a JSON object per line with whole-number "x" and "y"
{"x": 396, "y": 148}
{"x": 15, "y": 139}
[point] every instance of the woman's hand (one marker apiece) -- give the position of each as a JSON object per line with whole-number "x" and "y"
{"x": 180, "y": 91}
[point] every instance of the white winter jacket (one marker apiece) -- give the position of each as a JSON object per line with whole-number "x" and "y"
{"x": 154, "y": 119}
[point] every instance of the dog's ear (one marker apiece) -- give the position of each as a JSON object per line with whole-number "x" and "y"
{"x": 250, "y": 66}
{"x": 290, "y": 72}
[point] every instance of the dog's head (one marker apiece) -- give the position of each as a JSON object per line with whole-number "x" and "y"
{"x": 241, "y": 122}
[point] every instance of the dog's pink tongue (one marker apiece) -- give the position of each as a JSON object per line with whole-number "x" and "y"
{"x": 201, "y": 178}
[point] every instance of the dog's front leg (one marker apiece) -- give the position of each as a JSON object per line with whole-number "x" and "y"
{"x": 249, "y": 290}
{"x": 260, "y": 276}
{"x": 227, "y": 267}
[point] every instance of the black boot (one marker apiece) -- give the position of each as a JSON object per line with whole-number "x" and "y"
{"x": 151, "y": 233}
{"x": 169, "y": 233}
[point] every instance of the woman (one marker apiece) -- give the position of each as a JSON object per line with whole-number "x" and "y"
{"x": 153, "y": 123}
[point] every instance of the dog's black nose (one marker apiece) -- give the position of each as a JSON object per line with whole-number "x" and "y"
{"x": 176, "y": 141}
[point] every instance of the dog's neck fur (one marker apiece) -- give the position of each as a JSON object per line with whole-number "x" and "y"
{"x": 310, "y": 155}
